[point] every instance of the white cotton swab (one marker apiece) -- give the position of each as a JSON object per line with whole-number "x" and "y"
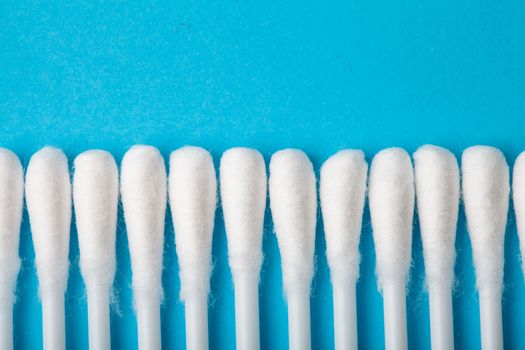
{"x": 243, "y": 196}
{"x": 518, "y": 196}
{"x": 193, "y": 200}
{"x": 48, "y": 197}
{"x": 95, "y": 198}
{"x": 342, "y": 192}
{"x": 11, "y": 202}
{"x": 293, "y": 202}
{"x": 437, "y": 193}
{"x": 391, "y": 202}
{"x": 144, "y": 190}
{"x": 486, "y": 190}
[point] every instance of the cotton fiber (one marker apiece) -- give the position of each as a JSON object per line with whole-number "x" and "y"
{"x": 11, "y": 202}
{"x": 243, "y": 198}
{"x": 95, "y": 194}
{"x": 437, "y": 193}
{"x": 342, "y": 192}
{"x": 293, "y": 202}
{"x": 193, "y": 200}
{"x": 48, "y": 197}
{"x": 391, "y": 201}
{"x": 144, "y": 196}
{"x": 518, "y": 190}
{"x": 486, "y": 197}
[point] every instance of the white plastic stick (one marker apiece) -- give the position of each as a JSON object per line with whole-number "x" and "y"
{"x": 342, "y": 191}
{"x": 98, "y": 317}
{"x": 293, "y": 203}
{"x": 391, "y": 201}
{"x": 486, "y": 197}
{"x": 247, "y": 311}
{"x": 95, "y": 195}
{"x": 243, "y": 194}
{"x": 437, "y": 193}
{"x": 144, "y": 192}
{"x": 11, "y": 200}
{"x": 441, "y": 317}
{"x": 48, "y": 197}
{"x": 345, "y": 317}
{"x": 193, "y": 200}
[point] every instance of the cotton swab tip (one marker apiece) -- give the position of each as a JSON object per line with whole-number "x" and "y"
{"x": 95, "y": 195}
{"x": 144, "y": 198}
{"x": 243, "y": 198}
{"x": 48, "y": 198}
{"x": 391, "y": 201}
{"x": 518, "y": 196}
{"x": 11, "y": 202}
{"x": 342, "y": 193}
{"x": 293, "y": 202}
{"x": 486, "y": 198}
{"x": 193, "y": 200}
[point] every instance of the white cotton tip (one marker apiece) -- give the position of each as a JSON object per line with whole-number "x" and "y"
{"x": 518, "y": 192}
{"x": 243, "y": 196}
{"x": 11, "y": 202}
{"x": 193, "y": 200}
{"x": 95, "y": 195}
{"x": 48, "y": 199}
{"x": 342, "y": 192}
{"x": 143, "y": 190}
{"x": 391, "y": 201}
{"x": 293, "y": 202}
{"x": 437, "y": 193}
{"x": 486, "y": 190}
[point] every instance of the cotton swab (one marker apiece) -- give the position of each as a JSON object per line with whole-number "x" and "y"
{"x": 193, "y": 200}
{"x": 48, "y": 197}
{"x": 11, "y": 202}
{"x": 486, "y": 198}
{"x": 437, "y": 193}
{"x": 143, "y": 189}
{"x": 518, "y": 196}
{"x": 293, "y": 203}
{"x": 391, "y": 202}
{"x": 95, "y": 197}
{"x": 243, "y": 196}
{"x": 342, "y": 192}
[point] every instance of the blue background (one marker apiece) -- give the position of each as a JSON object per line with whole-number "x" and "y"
{"x": 316, "y": 75}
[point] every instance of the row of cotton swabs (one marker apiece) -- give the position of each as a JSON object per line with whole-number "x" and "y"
{"x": 393, "y": 186}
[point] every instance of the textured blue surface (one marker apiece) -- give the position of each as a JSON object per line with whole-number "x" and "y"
{"x": 317, "y": 75}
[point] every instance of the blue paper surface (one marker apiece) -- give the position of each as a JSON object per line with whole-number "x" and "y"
{"x": 315, "y": 75}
